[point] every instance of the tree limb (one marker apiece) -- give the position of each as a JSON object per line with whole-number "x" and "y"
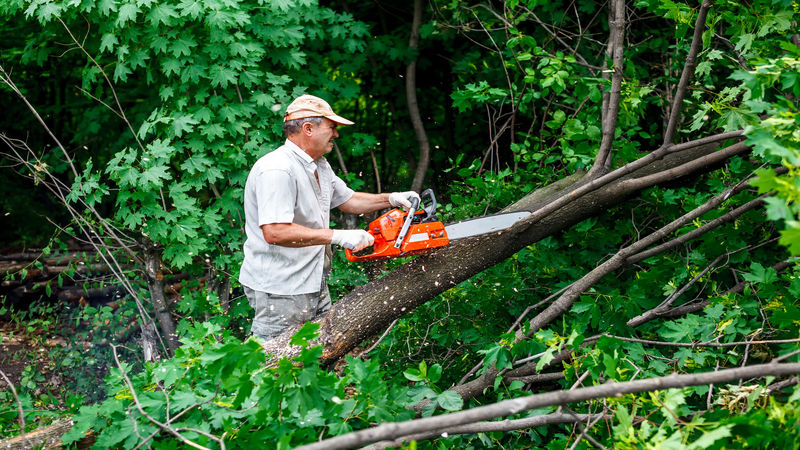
{"x": 602, "y": 162}
{"x": 489, "y": 427}
{"x": 517, "y": 405}
{"x": 688, "y": 72}
{"x": 563, "y": 303}
{"x": 697, "y": 232}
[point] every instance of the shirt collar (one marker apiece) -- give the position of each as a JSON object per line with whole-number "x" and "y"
{"x": 299, "y": 151}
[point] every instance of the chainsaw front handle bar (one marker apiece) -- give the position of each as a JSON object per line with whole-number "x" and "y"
{"x": 407, "y": 223}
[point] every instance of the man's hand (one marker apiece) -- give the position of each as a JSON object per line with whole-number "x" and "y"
{"x": 355, "y": 240}
{"x": 403, "y": 199}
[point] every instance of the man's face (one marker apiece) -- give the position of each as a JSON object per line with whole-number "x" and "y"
{"x": 323, "y": 136}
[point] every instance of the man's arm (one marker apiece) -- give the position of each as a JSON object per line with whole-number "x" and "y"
{"x": 363, "y": 202}
{"x": 294, "y": 235}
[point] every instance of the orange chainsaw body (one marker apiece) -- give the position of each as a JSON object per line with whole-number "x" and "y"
{"x": 425, "y": 233}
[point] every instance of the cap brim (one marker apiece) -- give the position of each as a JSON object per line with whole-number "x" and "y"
{"x": 340, "y": 120}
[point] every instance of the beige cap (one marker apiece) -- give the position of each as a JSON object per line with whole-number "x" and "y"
{"x": 310, "y": 106}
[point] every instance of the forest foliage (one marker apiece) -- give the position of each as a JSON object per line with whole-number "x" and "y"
{"x": 161, "y": 107}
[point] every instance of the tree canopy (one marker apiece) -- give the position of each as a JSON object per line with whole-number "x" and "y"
{"x": 648, "y": 300}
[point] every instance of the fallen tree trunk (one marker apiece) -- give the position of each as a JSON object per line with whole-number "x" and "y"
{"x": 45, "y": 437}
{"x": 369, "y": 309}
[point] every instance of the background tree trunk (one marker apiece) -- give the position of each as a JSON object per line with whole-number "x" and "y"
{"x": 413, "y": 105}
{"x": 155, "y": 283}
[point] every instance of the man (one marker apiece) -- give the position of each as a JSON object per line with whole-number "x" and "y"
{"x": 287, "y": 201}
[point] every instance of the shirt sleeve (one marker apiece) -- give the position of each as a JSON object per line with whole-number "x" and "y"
{"x": 341, "y": 193}
{"x": 275, "y": 194}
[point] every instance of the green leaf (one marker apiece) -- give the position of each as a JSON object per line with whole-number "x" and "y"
{"x": 108, "y": 41}
{"x": 190, "y": 8}
{"x": 127, "y": 13}
{"x": 160, "y": 148}
{"x": 48, "y": 11}
{"x": 121, "y": 72}
{"x": 744, "y": 42}
{"x": 222, "y": 76}
{"x": 710, "y": 437}
{"x": 161, "y": 14}
{"x": 183, "y": 124}
{"x": 306, "y": 333}
{"x": 154, "y": 176}
{"x": 435, "y": 373}
{"x": 790, "y": 237}
{"x": 450, "y": 400}
{"x": 777, "y": 209}
{"x": 497, "y": 356}
{"x": 413, "y": 375}
{"x": 86, "y": 419}
{"x": 760, "y": 274}
{"x": 182, "y": 47}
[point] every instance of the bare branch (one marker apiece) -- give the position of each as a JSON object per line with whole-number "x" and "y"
{"x": 538, "y": 378}
{"x": 363, "y": 354}
{"x": 663, "y": 306}
{"x": 6, "y": 79}
{"x": 683, "y": 169}
{"x": 21, "y": 413}
{"x": 340, "y": 158}
{"x": 738, "y": 288}
{"x": 517, "y": 405}
{"x": 585, "y": 430}
{"x": 602, "y": 162}
{"x": 488, "y": 427}
{"x": 688, "y": 72}
{"x": 704, "y": 344}
{"x": 705, "y": 228}
{"x": 120, "y": 110}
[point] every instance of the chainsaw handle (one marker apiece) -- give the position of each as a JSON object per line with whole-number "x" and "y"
{"x": 430, "y": 209}
{"x": 407, "y": 224}
{"x": 349, "y": 254}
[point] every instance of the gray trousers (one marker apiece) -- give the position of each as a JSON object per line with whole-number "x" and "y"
{"x": 276, "y": 313}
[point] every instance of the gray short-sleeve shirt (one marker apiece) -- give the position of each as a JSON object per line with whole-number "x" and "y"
{"x": 282, "y": 188}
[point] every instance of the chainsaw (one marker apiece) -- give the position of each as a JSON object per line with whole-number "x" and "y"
{"x": 399, "y": 233}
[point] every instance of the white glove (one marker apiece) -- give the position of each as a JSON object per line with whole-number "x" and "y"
{"x": 355, "y": 240}
{"x": 403, "y": 198}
